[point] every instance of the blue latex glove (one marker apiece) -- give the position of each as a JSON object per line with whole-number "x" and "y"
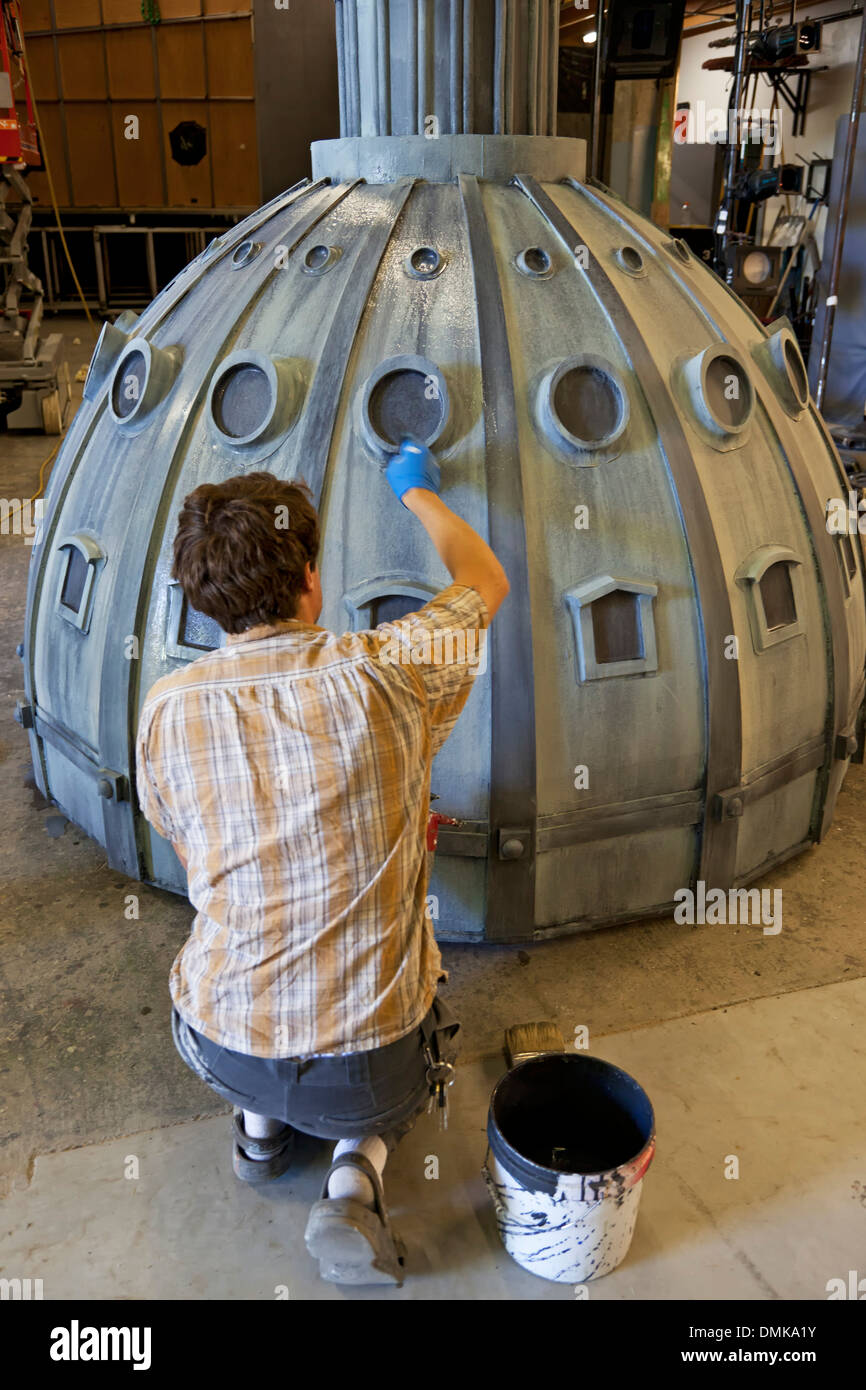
{"x": 413, "y": 466}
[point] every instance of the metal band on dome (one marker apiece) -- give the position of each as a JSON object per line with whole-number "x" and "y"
{"x": 718, "y": 851}
{"x": 513, "y": 795}
{"x": 835, "y": 626}
{"x": 316, "y": 428}
{"x": 119, "y": 677}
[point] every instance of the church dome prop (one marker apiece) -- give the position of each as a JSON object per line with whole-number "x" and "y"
{"x": 673, "y": 687}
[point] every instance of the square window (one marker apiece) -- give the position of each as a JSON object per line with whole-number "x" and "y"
{"x": 188, "y": 633}
{"x": 72, "y": 592}
{"x": 778, "y": 596}
{"x": 616, "y": 627}
{"x": 387, "y": 598}
{"x": 79, "y": 557}
{"x": 197, "y": 630}
{"x": 773, "y": 587}
{"x": 390, "y": 608}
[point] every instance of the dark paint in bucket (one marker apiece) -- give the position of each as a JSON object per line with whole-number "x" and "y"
{"x": 565, "y": 1112}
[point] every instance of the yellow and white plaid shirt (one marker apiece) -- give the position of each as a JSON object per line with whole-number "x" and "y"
{"x": 292, "y": 769}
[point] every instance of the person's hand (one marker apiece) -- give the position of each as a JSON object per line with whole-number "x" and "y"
{"x": 413, "y": 466}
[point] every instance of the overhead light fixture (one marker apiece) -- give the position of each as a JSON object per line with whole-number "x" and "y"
{"x": 590, "y": 36}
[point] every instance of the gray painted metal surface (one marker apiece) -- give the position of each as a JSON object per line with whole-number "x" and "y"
{"x": 675, "y": 679}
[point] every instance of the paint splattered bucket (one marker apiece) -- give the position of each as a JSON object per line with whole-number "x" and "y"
{"x": 570, "y": 1138}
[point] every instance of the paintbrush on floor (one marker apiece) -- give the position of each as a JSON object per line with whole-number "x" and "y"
{"x": 532, "y": 1040}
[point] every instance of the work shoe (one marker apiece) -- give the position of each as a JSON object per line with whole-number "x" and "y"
{"x": 353, "y": 1244}
{"x": 260, "y": 1160}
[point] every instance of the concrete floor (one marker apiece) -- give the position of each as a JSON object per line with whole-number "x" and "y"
{"x": 748, "y": 1044}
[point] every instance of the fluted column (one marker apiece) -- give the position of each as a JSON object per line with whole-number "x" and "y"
{"x": 447, "y": 67}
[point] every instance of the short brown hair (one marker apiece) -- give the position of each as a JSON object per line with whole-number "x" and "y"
{"x": 241, "y": 548}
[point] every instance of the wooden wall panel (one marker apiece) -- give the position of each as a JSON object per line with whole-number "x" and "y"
{"x": 181, "y": 62}
{"x": 188, "y": 184}
{"x": 52, "y": 130}
{"x": 235, "y": 164}
{"x": 179, "y": 9}
{"x": 90, "y": 155}
{"x": 138, "y": 162}
{"x": 226, "y": 6}
{"x": 229, "y": 58}
{"x": 204, "y": 72}
{"x": 82, "y": 67}
{"x": 36, "y": 15}
{"x": 76, "y": 14}
{"x": 130, "y": 64}
{"x": 121, "y": 11}
{"x": 43, "y": 74}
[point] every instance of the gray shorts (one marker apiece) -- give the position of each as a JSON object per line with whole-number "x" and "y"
{"x": 377, "y": 1092}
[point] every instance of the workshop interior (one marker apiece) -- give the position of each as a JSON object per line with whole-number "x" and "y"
{"x": 605, "y": 264}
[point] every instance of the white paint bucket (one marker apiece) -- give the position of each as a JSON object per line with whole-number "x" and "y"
{"x": 570, "y": 1139}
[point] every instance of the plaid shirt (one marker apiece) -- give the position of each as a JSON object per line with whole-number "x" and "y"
{"x": 292, "y": 768}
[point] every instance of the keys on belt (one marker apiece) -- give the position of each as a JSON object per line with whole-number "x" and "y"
{"x": 440, "y": 1075}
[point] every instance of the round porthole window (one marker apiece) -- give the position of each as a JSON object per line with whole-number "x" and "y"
{"x": 424, "y": 263}
{"x": 584, "y": 407}
{"x": 630, "y": 259}
{"x": 783, "y": 364}
{"x": 142, "y": 379}
{"x": 535, "y": 262}
{"x": 728, "y": 392}
{"x": 405, "y": 398}
{"x": 253, "y": 399}
{"x": 796, "y": 371}
{"x": 679, "y": 248}
{"x": 243, "y": 402}
{"x": 245, "y": 253}
{"x": 112, "y": 341}
{"x": 129, "y": 384}
{"x": 720, "y": 391}
{"x": 321, "y": 258}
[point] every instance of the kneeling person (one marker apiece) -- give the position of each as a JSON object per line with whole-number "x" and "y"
{"x": 290, "y": 770}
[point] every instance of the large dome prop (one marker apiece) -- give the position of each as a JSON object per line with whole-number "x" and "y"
{"x": 674, "y": 682}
